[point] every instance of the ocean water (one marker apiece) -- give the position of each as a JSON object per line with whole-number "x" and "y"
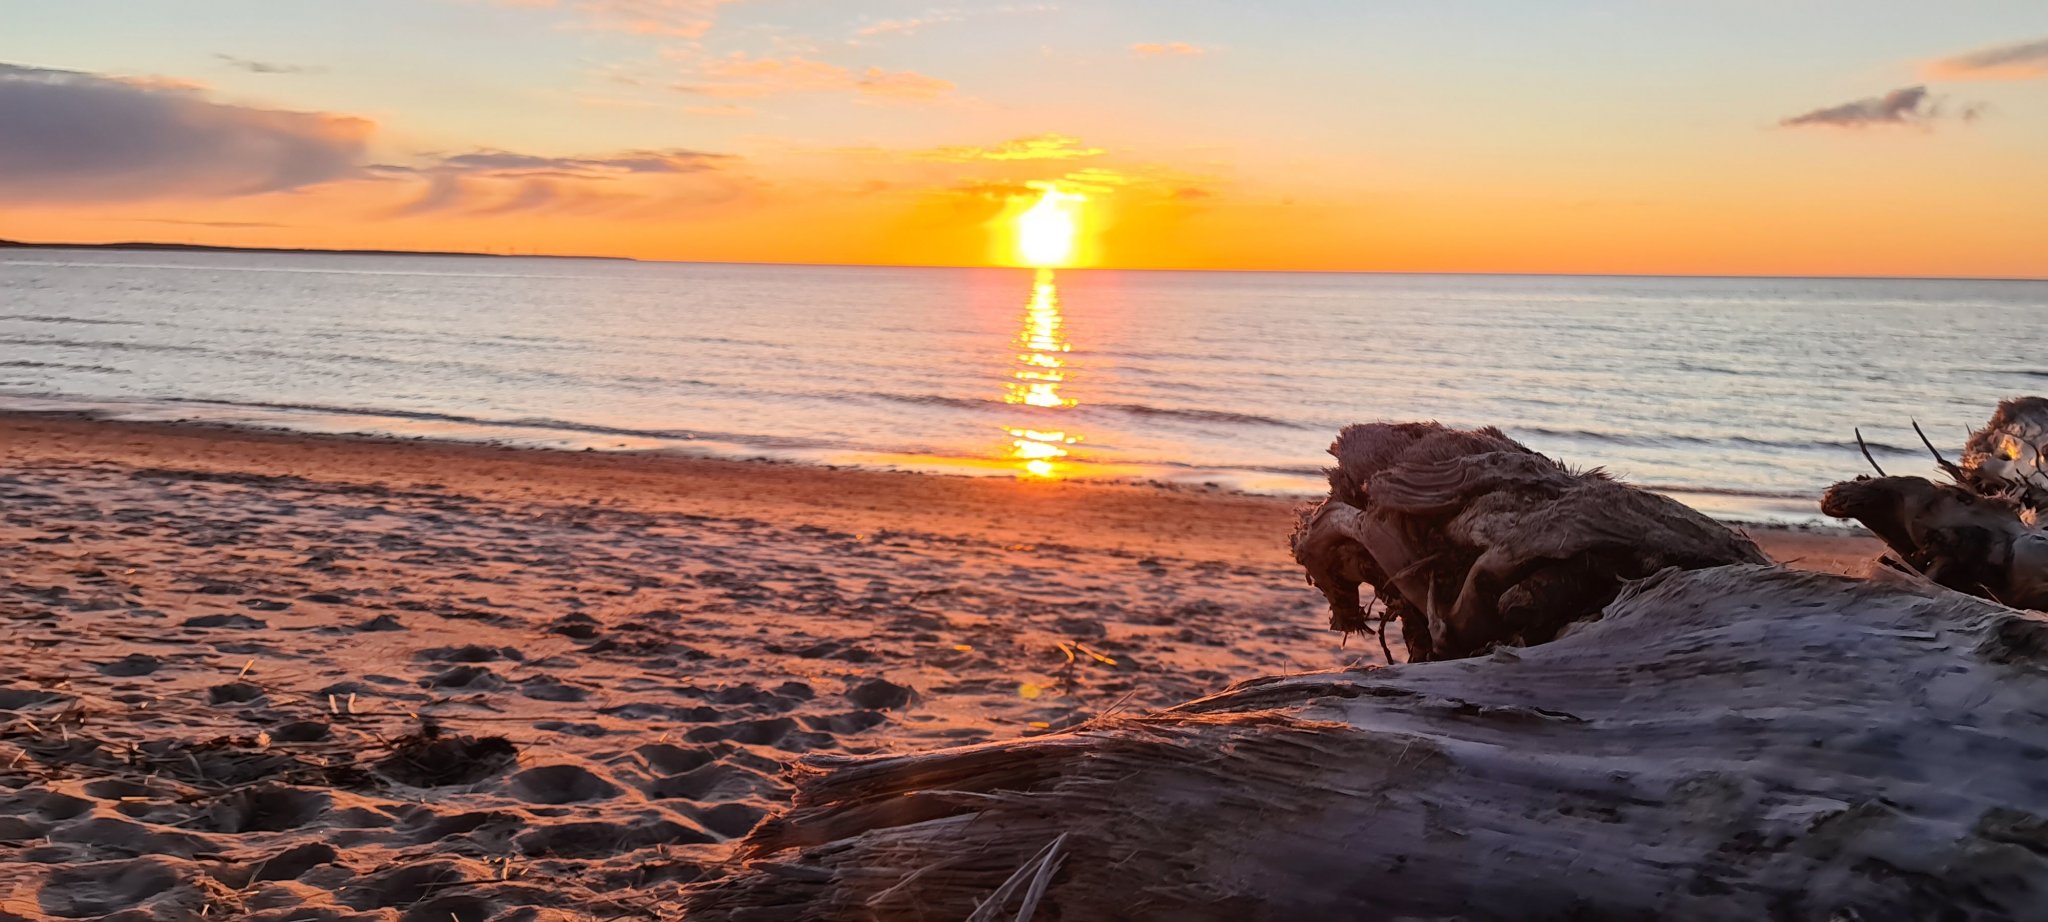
{"x": 1737, "y": 395}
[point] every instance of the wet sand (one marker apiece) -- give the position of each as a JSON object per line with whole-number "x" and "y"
{"x": 222, "y": 645}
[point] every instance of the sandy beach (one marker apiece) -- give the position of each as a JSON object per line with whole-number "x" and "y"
{"x": 278, "y": 676}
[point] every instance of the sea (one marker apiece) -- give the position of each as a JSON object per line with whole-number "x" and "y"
{"x": 1740, "y": 396}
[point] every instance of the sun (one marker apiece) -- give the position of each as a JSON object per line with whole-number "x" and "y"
{"x": 1047, "y": 230}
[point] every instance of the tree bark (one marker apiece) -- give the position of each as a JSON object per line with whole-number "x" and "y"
{"x": 1743, "y": 742}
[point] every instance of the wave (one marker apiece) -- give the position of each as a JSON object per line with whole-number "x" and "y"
{"x": 63, "y": 366}
{"x": 936, "y": 400}
{"x": 538, "y": 423}
{"x": 1206, "y": 416}
{"x": 506, "y": 373}
{"x": 1665, "y": 441}
{"x": 90, "y": 321}
{"x": 1129, "y": 409}
{"x": 1748, "y": 493}
{"x": 101, "y": 344}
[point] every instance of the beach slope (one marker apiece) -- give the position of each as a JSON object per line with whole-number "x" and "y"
{"x": 226, "y": 646}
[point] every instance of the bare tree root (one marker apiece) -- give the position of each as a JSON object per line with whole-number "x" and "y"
{"x": 1979, "y": 534}
{"x": 1475, "y": 541}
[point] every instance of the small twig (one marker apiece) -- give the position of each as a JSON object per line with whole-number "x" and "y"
{"x": 1955, "y": 473}
{"x": 1118, "y": 704}
{"x": 1047, "y": 866}
{"x": 1038, "y": 871}
{"x": 1866, "y": 454}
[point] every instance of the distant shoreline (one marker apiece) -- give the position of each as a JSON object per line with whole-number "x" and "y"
{"x": 144, "y": 246}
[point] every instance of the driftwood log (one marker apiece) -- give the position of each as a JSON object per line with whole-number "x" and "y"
{"x": 1472, "y": 540}
{"x": 1742, "y": 742}
{"x": 1982, "y": 532}
{"x": 1983, "y": 545}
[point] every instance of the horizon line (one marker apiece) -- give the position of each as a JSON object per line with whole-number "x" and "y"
{"x": 154, "y": 246}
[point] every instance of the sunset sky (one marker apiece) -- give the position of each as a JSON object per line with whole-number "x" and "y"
{"x": 1824, "y": 137}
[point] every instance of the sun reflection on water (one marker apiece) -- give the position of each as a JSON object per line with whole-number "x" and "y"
{"x": 1041, "y": 368}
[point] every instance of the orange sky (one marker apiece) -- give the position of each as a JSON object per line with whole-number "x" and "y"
{"x": 747, "y": 130}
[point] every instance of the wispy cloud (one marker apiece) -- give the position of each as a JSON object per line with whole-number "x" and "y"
{"x": 2021, "y": 61}
{"x": 1168, "y": 50}
{"x": 742, "y": 75}
{"x": 901, "y": 84}
{"x": 264, "y": 67}
{"x": 1050, "y": 146}
{"x": 911, "y": 25}
{"x": 633, "y": 161}
{"x": 672, "y": 18}
{"x": 908, "y": 25}
{"x": 493, "y": 182}
{"x": 1911, "y": 105}
{"x": 77, "y": 136}
{"x": 723, "y": 110}
{"x": 237, "y": 225}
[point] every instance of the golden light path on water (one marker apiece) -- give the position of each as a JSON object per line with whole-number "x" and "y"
{"x": 1041, "y": 368}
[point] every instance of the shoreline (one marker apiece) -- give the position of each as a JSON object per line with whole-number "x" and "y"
{"x": 1096, "y": 513}
{"x": 990, "y": 495}
{"x": 1735, "y": 508}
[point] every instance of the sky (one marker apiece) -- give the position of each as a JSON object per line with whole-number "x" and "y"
{"x": 1717, "y": 137}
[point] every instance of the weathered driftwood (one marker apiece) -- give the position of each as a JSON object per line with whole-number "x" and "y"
{"x": 1736, "y": 743}
{"x": 1983, "y": 545}
{"x": 1982, "y": 533}
{"x": 1473, "y": 540}
{"x": 2009, "y": 455}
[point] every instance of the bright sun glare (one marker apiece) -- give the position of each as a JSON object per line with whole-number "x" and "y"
{"x": 1046, "y": 231}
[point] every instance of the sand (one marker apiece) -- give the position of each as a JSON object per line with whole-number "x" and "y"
{"x": 279, "y": 676}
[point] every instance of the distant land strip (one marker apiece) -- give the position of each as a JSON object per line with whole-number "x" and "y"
{"x": 311, "y": 251}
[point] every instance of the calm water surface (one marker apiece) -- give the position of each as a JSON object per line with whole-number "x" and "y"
{"x": 1738, "y": 395}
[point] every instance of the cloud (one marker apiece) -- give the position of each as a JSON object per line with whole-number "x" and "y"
{"x": 1050, "y": 146}
{"x": 76, "y": 136}
{"x": 907, "y": 26}
{"x": 742, "y": 75}
{"x": 911, "y": 25}
{"x": 264, "y": 67}
{"x": 723, "y": 110}
{"x": 224, "y": 224}
{"x": 995, "y": 189}
{"x": 633, "y": 161}
{"x": 496, "y": 182}
{"x": 2022, "y": 61}
{"x": 901, "y": 84}
{"x": 533, "y": 194}
{"x": 1098, "y": 180}
{"x": 1910, "y": 105}
{"x": 672, "y": 18}
{"x": 444, "y": 191}
{"x": 1168, "y": 50}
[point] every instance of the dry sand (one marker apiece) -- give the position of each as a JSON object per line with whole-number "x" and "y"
{"x": 221, "y": 642}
